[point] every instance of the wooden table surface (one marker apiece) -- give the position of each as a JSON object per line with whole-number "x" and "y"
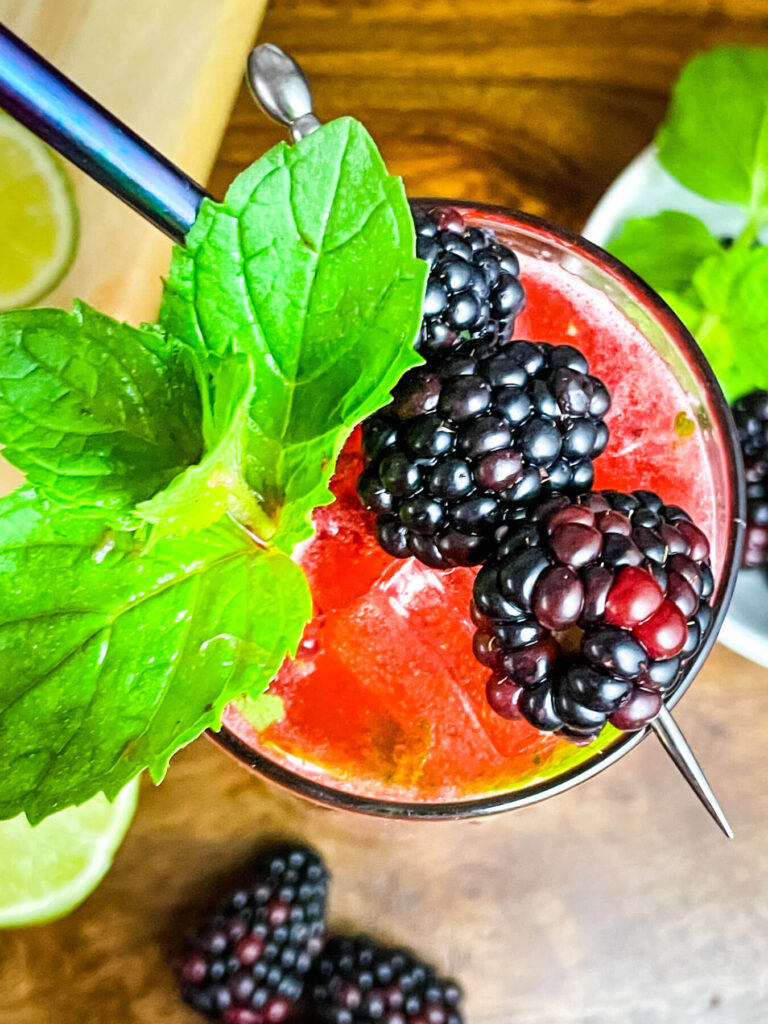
{"x": 617, "y": 903}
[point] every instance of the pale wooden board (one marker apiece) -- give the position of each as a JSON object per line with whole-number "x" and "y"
{"x": 170, "y": 69}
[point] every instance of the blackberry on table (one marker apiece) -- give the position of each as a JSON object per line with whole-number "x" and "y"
{"x": 469, "y": 437}
{"x": 590, "y": 611}
{"x": 248, "y": 963}
{"x": 357, "y": 981}
{"x": 750, "y": 414}
{"x": 473, "y": 290}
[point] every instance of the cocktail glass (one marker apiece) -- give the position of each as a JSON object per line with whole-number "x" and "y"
{"x": 671, "y": 432}
{"x": 643, "y": 376}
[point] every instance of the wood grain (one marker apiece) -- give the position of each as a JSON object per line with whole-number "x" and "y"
{"x": 617, "y": 903}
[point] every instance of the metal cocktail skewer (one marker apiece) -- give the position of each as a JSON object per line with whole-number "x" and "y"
{"x": 59, "y": 112}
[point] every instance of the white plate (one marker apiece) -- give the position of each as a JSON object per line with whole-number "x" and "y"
{"x": 642, "y": 189}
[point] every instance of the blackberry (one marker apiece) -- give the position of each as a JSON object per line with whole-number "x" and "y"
{"x": 467, "y": 438}
{"x": 590, "y": 611}
{"x": 473, "y": 290}
{"x": 249, "y": 962}
{"x": 357, "y": 981}
{"x": 750, "y": 414}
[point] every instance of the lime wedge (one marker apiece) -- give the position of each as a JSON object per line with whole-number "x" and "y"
{"x": 38, "y": 217}
{"x": 46, "y": 871}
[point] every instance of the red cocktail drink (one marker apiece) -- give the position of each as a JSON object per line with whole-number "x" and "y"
{"x": 385, "y": 706}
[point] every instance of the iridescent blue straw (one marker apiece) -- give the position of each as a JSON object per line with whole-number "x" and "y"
{"x": 65, "y": 117}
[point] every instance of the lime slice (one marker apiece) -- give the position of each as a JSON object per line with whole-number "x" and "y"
{"x": 38, "y": 217}
{"x": 46, "y": 871}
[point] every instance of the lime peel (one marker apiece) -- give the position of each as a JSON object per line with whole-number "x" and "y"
{"x": 38, "y": 215}
{"x": 48, "y": 870}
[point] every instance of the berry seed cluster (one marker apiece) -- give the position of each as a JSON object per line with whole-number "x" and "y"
{"x": 473, "y": 292}
{"x": 750, "y": 414}
{"x": 357, "y": 982}
{"x": 249, "y": 963}
{"x": 465, "y": 440}
{"x": 263, "y": 958}
{"x": 627, "y": 575}
{"x": 588, "y": 605}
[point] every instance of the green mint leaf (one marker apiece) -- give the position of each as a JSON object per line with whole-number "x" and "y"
{"x": 732, "y": 288}
{"x": 308, "y": 267}
{"x": 687, "y": 305}
{"x": 262, "y": 712}
{"x": 715, "y": 137}
{"x": 665, "y": 250}
{"x": 215, "y": 486}
{"x": 95, "y": 412}
{"x": 122, "y": 657}
{"x": 721, "y": 295}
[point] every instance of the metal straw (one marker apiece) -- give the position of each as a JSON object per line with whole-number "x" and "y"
{"x": 59, "y": 112}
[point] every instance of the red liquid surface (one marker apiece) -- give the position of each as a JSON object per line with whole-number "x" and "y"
{"x": 385, "y": 698}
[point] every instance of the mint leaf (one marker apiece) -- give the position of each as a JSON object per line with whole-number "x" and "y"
{"x": 216, "y": 486}
{"x": 122, "y": 657}
{"x": 721, "y": 295}
{"x": 732, "y": 288}
{"x": 95, "y": 412}
{"x": 665, "y": 250}
{"x": 308, "y": 267}
{"x": 262, "y": 712}
{"x": 715, "y": 137}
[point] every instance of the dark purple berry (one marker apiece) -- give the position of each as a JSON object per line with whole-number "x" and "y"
{"x": 616, "y": 650}
{"x": 529, "y": 666}
{"x": 663, "y": 674}
{"x": 483, "y": 436}
{"x": 596, "y": 690}
{"x": 540, "y": 442}
{"x": 499, "y": 470}
{"x": 357, "y": 981}
{"x": 576, "y": 545}
{"x": 538, "y": 707}
{"x": 450, "y": 479}
{"x": 250, "y": 965}
{"x": 597, "y": 582}
{"x": 464, "y": 398}
{"x": 417, "y": 394}
{"x": 641, "y": 708}
{"x": 518, "y": 576}
{"x": 503, "y": 696}
{"x": 585, "y": 624}
{"x": 400, "y": 475}
{"x": 558, "y": 598}
{"x": 473, "y": 285}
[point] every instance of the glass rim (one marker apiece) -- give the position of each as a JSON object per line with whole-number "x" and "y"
{"x": 495, "y": 803}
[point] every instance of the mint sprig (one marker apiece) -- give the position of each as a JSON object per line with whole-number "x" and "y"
{"x": 308, "y": 267}
{"x": 144, "y": 572}
{"x": 714, "y": 141}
